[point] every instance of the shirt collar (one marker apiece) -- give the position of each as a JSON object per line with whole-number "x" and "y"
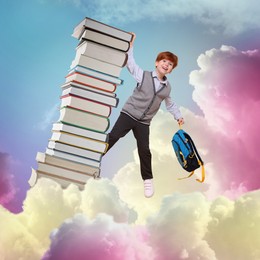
{"x": 164, "y": 81}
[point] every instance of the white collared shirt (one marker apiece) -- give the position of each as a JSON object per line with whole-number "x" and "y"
{"x": 137, "y": 74}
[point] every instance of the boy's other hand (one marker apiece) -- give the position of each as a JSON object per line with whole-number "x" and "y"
{"x": 180, "y": 121}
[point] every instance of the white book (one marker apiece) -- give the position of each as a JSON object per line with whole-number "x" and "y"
{"x": 92, "y": 95}
{"x": 83, "y": 119}
{"x": 65, "y": 163}
{"x": 36, "y": 175}
{"x": 100, "y": 27}
{"x": 72, "y": 157}
{"x": 85, "y": 81}
{"x": 79, "y": 141}
{"x": 58, "y": 126}
{"x": 97, "y": 65}
{"x": 101, "y": 52}
{"x": 104, "y": 39}
{"x": 97, "y": 74}
{"x": 65, "y": 174}
{"x": 74, "y": 150}
{"x": 85, "y": 104}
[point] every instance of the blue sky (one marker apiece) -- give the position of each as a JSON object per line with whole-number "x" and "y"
{"x": 36, "y": 50}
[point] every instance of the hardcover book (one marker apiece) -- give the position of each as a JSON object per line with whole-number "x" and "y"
{"x": 91, "y": 95}
{"x": 96, "y": 74}
{"x": 100, "y": 27}
{"x": 64, "y": 182}
{"x": 55, "y": 145}
{"x": 88, "y": 82}
{"x": 72, "y": 157}
{"x": 104, "y": 39}
{"x": 102, "y": 53}
{"x": 85, "y": 104}
{"x": 59, "y": 126}
{"x": 83, "y": 119}
{"x": 66, "y": 163}
{"x": 66, "y": 174}
{"x": 79, "y": 141}
{"x": 97, "y": 65}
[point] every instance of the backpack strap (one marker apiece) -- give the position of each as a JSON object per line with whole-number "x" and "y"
{"x": 187, "y": 176}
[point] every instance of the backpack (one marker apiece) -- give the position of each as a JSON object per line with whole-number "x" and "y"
{"x": 187, "y": 154}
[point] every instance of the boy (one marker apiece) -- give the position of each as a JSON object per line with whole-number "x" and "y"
{"x": 152, "y": 88}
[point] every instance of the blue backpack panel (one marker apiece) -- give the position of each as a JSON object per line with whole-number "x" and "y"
{"x": 187, "y": 153}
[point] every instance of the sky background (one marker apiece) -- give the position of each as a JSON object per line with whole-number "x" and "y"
{"x": 216, "y": 85}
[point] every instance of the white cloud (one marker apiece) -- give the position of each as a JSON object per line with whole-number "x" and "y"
{"x": 49, "y": 117}
{"x": 178, "y": 229}
{"x": 99, "y": 239}
{"x": 184, "y": 226}
{"x": 232, "y": 16}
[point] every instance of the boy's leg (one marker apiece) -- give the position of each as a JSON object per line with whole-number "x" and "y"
{"x": 141, "y": 133}
{"x": 122, "y": 126}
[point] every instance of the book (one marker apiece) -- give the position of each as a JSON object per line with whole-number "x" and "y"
{"x": 73, "y": 83}
{"x": 64, "y": 182}
{"x": 88, "y": 82}
{"x": 55, "y": 145}
{"x": 59, "y": 126}
{"x": 91, "y": 95}
{"x": 100, "y": 27}
{"x": 72, "y": 157}
{"x": 85, "y": 104}
{"x": 97, "y": 65}
{"x": 105, "y": 40}
{"x": 96, "y": 74}
{"x": 100, "y": 52}
{"x": 65, "y": 174}
{"x": 79, "y": 141}
{"x": 83, "y": 119}
{"x": 65, "y": 163}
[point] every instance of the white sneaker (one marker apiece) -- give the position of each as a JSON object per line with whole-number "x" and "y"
{"x": 148, "y": 188}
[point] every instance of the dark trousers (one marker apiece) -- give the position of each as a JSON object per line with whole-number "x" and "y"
{"x": 141, "y": 132}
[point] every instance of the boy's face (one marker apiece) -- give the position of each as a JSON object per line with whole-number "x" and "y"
{"x": 164, "y": 66}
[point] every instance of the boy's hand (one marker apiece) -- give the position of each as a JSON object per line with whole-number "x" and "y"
{"x": 180, "y": 121}
{"x": 133, "y": 39}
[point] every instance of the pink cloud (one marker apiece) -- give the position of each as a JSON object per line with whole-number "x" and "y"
{"x": 227, "y": 90}
{"x": 99, "y": 239}
{"x": 7, "y": 190}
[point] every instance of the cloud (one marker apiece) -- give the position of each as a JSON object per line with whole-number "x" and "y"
{"x": 239, "y": 218}
{"x": 100, "y": 239}
{"x": 177, "y": 231}
{"x": 7, "y": 188}
{"x": 48, "y": 118}
{"x": 56, "y": 225}
{"x": 226, "y": 87}
{"x": 47, "y": 206}
{"x": 241, "y": 16}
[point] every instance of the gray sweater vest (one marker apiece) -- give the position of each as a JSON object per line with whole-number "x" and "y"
{"x": 145, "y": 102}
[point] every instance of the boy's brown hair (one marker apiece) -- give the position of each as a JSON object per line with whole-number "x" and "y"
{"x": 168, "y": 56}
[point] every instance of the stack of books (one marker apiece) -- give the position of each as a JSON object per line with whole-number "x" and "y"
{"x": 79, "y": 137}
